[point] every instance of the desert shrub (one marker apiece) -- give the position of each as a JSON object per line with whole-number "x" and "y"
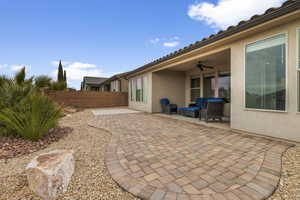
{"x": 4, "y": 131}
{"x": 32, "y": 118}
{"x": 58, "y": 86}
{"x": 4, "y": 79}
{"x": 42, "y": 81}
{"x": 12, "y": 93}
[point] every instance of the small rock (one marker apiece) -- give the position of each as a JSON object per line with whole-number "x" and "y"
{"x": 3, "y": 154}
{"x": 49, "y": 174}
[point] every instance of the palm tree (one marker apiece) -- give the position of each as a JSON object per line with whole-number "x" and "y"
{"x": 20, "y": 76}
{"x": 42, "y": 82}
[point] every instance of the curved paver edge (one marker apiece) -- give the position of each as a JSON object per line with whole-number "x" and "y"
{"x": 260, "y": 187}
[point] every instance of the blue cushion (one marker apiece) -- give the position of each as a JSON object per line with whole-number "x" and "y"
{"x": 165, "y": 101}
{"x": 200, "y": 102}
{"x": 193, "y": 109}
{"x": 216, "y": 100}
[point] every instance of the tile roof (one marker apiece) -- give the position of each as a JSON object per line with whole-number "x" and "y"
{"x": 116, "y": 76}
{"x": 271, "y": 13}
{"x": 93, "y": 80}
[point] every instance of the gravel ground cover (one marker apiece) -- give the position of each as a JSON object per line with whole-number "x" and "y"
{"x": 289, "y": 185}
{"x": 91, "y": 180}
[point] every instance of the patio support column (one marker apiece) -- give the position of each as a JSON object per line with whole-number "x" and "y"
{"x": 201, "y": 84}
{"x": 216, "y": 83}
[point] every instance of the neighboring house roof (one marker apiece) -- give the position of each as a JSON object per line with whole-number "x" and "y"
{"x": 272, "y": 13}
{"x": 93, "y": 80}
{"x": 115, "y": 77}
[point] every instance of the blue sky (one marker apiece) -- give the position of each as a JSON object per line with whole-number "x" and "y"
{"x": 101, "y": 38}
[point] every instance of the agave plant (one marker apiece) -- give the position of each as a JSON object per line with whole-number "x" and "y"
{"x": 32, "y": 118}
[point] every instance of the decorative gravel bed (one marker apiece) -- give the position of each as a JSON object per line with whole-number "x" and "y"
{"x": 91, "y": 180}
{"x": 11, "y": 147}
{"x": 289, "y": 185}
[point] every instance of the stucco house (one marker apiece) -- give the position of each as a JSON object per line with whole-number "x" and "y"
{"x": 116, "y": 83}
{"x": 255, "y": 65}
{"x": 91, "y": 83}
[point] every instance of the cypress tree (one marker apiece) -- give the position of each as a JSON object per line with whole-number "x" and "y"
{"x": 60, "y": 75}
{"x": 65, "y": 76}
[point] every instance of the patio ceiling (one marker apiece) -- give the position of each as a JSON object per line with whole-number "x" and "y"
{"x": 218, "y": 59}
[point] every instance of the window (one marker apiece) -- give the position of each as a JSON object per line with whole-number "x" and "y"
{"x": 139, "y": 92}
{"x": 195, "y": 89}
{"x": 133, "y": 88}
{"x": 114, "y": 85}
{"x": 145, "y": 89}
{"x": 224, "y": 85}
{"x": 266, "y": 74}
{"x": 209, "y": 85}
{"x": 139, "y": 89}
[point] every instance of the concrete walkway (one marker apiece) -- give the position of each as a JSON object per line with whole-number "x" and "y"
{"x": 113, "y": 111}
{"x": 158, "y": 158}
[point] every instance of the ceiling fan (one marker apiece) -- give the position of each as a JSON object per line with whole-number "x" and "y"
{"x": 203, "y": 66}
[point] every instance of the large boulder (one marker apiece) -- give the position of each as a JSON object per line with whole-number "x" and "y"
{"x": 49, "y": 174}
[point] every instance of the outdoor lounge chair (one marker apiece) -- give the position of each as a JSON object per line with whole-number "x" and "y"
{"x": 166, "y": 107}
{"x": 193, "y": 109}
{"x": 214, "y": 109}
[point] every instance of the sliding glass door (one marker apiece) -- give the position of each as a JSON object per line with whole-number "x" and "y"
{"x": 209, "y": 85}
{"x": 224, "y": 85}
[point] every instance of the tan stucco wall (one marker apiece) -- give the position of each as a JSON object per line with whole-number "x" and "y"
{"x": 168, "y": 84}
{"x": 276, "y": 124}
{"x": 142, "y": 106}
{"x": 283, "y": 125}
{"x": 124, "y": 85}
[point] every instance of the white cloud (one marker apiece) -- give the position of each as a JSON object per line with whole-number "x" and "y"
{"x": 2, "y": 66}
{"x": 229, "y": 12}
{"x": 77, "y": 70}
{"x": 16, "y": 68}
{"x": 155, "y": 40}
{"x": 78, "y": 65}
{"x": 166, "y": 42}
{"x": 171, "y": 44}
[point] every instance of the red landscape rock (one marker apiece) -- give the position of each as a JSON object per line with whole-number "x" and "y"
{"x": 11, "y": 147}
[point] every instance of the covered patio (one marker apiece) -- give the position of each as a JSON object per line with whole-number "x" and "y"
{"x": 206, "y": 77}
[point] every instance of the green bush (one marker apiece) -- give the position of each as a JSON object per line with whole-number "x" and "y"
{"x": 32, "y": 118}
{"x": 42, "y": 82}
{"x": 12, "y": 93}
{"x": 58, "y": 86}
{"x": 4, "y": 79}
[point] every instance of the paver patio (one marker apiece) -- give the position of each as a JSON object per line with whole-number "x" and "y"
{"x": 159, "y": 158}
